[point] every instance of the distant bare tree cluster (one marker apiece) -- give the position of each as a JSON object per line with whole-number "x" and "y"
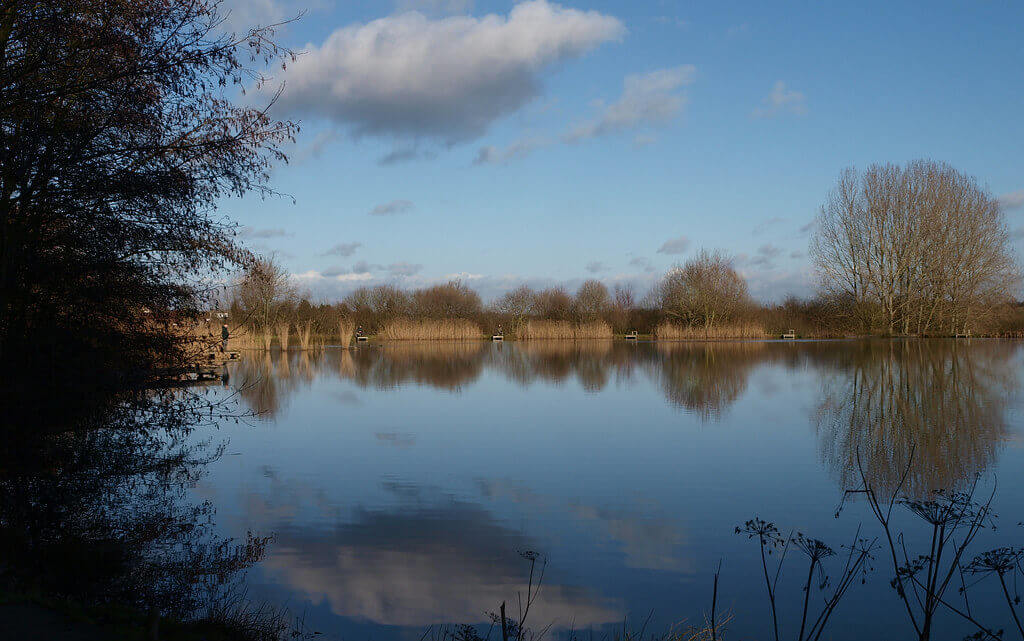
{"x": 917, "y": 249}
{"x": 705, "y": 291}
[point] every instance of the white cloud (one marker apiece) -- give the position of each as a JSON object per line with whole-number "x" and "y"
{"x": 675, "y": 245}
{"x": 1012, "y": 200}
{"x": 463, "y": 276}
{"x": 392, "y": 208}
{"x": 409, "y": 76}
{"x": 781, "y": 100}
{"x": 648, "y": 99}
{"x": 333, "y": 274}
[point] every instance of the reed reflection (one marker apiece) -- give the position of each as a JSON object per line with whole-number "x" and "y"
{"x": 699, "y": 377}
{"x": 934, "y": 410}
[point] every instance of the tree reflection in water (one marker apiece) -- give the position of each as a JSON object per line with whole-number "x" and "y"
{"x": 95, "y": 508}
{"x": 707, "y": 378}
{"x": 934, "y": 407}
{"x": 943, "y": 400}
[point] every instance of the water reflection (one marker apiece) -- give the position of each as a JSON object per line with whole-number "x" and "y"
{"x": 428, "y": 560}
{"x": 933, "y": 410}
{"x": 98, "y": 509}
{"x": 707, "y": 378}
{"x": 402, "y": 479}
{"x": 944, "y": 400}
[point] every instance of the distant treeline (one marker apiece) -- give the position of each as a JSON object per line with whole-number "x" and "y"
{"x": 912, "y": 250}
{"x": 690, "y": 302}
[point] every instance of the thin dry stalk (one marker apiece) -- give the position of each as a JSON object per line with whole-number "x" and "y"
{"x": 444, "y": 329}
{"x": 563, "y": 330}
{"x": 283, "y": 329}
{"x": 673, "y": 332}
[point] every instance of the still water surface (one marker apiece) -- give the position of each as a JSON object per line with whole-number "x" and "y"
{"x": 402, "y": 481}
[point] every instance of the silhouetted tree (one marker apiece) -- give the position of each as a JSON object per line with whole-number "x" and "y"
{"x": 118, "y": 136}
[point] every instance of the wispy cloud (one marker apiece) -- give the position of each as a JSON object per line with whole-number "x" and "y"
{"x": 315, "y": 147}
{"x": 648, "y": 99}
{"x": 675, "y": 246}
{"x": 257, "y": 233}
{"x": 1012, "y": 200}
{"x": 403, "y": 269}
{"x": 766, "y": 225}
{"x": 780, "y": 101}
{"x": 363, "y": 267}
{"x": 766, "y": 255}
{"x": 596, "y": 266}
{"x": 491, "y": 155}
{"x": 672, "y": 21}
{"x": 403, "y": 154}
{"x": 642, "y": 263}
{"x": 435, "y": 6}
{"x": 392, "y": 208}
{"x": 343, "y": 249}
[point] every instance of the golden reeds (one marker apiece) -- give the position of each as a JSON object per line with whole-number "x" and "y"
{"x": 283, "y": 329}
{"x": 445, "y": 329}
{"x": 671, "y": 331}
{"x": 305, "y": 334}
{"x": 346, "y": 328}
{"x": 534, "y": 330}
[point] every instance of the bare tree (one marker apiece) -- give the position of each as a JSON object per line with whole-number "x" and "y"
{"x": 451, "y": 300}
{"x": 265, "y": 292}
{"x": 516, "y": 304}
{"x": 621, "y": 311}
{"x": 552, "y": 304}
{"x": 704, "y": 291}
{"x": 591, "y": 301}
{"x": 919, "y": 248}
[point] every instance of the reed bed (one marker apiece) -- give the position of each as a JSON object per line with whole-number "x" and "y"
{"x": 404, "y": 329}
{"x": 564, "y": 330}
{"x": 305, "y": 335}
{"x": 673, "y": 332}
{"x": 346, "y": 330}
{"x": 283, "y": 330}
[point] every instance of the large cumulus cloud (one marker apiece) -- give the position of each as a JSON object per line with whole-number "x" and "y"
{"x": 414, "y": 77}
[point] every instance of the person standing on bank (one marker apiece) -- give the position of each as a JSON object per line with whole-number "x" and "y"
{"x": 224, "y": 334}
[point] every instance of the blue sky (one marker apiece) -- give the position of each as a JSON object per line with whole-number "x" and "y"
{"x": 547, "y": 143}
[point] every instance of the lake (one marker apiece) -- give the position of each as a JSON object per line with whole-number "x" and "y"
{"x": 407, "y": 484}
